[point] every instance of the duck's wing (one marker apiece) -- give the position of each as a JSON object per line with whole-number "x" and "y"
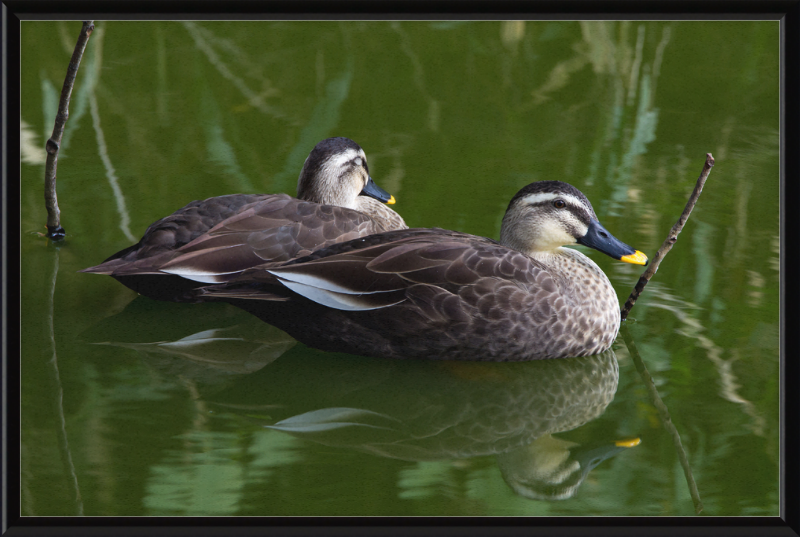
{"x": 181, "y": 227}
{"x": 275, "y": 229}
{"x": 258, "y": 283}
{"x": 439, "y": 271}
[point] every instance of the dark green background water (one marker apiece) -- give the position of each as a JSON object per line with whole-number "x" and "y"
{"x": 454, "y": 117}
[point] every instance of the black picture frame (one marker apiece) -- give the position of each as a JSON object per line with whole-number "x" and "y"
{"x": 788, "y": 12}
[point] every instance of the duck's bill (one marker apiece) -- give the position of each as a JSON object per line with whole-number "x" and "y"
{"x": 600, "y": 239}
{"x": 591, "y": 455}
{"x": 374, "y": 191}
{"x": 628, "y": 442}
{"x": 637, "y": 258}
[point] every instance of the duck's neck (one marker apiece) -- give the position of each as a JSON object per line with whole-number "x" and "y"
{"x": 380, "y": 212}
{"x": 557, "y": 255}
{"x": 563, "y": 256}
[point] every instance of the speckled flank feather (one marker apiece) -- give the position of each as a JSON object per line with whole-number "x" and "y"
{"x": 432, "y": 293}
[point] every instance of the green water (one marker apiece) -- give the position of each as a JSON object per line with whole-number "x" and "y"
{"x": 454, "y": 117}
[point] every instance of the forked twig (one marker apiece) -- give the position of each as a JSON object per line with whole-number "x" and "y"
{"x": 671, "y": 238}
{"x": 54, "y": 230}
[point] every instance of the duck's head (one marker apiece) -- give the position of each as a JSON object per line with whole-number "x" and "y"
{"x": 546, "y": 215}
{"x": 336, "y": 173}
{"x": 551, "y": 468}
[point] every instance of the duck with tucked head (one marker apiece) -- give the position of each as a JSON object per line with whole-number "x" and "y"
{"x": 215, "y": 239}
{"x": 438, "y": 294}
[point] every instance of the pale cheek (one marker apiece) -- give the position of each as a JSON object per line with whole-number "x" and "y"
{"x": 554, "y": 236}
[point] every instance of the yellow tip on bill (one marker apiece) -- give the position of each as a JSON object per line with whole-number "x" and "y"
{"x": 628, "y": 443}
{"x": 637, "y": 258}
{"x": 391, "y": 201}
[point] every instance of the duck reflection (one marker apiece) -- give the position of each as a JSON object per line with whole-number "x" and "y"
{"x": 423, "y": 411}
{"x": 414, "y": 410}
{"x": 551, "y": 468}
{"x": 207, "y": 345}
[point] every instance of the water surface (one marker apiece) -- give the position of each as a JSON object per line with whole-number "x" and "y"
{"x": 202, "y": 410}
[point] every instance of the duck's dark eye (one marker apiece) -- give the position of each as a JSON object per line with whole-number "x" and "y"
{"x": 559, "y": 204}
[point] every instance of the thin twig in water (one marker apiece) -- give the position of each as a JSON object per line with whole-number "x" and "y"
{"x": 671, "y": 238}
{"x": 54, "y": 230}
{"x": 663, "y": 413}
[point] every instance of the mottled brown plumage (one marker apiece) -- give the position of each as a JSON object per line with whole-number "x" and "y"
{"x": 432, "y": 293}
{"x": 212, "y": 240}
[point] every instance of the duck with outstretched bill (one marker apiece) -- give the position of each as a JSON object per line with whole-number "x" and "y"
{"x": 215, "y": 239}
{"x": 438, "y": 294}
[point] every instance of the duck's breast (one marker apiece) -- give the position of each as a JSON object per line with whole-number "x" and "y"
{"x": 587, "y": 310}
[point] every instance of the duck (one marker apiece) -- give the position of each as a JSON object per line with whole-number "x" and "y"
{"x": 439, "y": 294}
{"x": 212, "y": 240}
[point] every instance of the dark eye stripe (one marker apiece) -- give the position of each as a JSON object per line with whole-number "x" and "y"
{"x": 578, "y": 211}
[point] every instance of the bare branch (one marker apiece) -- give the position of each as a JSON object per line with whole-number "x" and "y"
{"x": 671, "y": 238}
{"x": 54, "y": 230}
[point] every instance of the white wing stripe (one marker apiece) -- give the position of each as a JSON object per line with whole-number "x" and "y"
{"x": 330, "y": 299}
{"x": 198, "y": 275}
{"x": 315, "y": 281}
